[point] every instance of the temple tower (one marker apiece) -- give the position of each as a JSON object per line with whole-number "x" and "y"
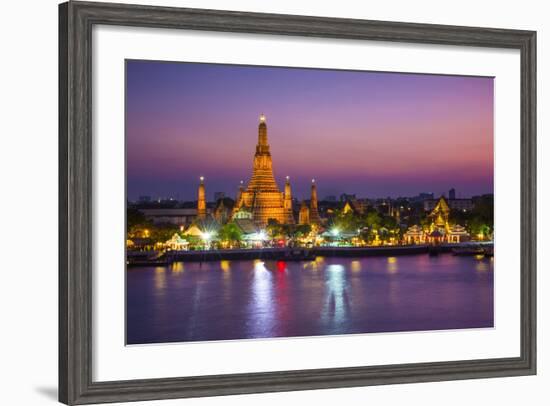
{"x": 313, "y": 209}
{"x": 201, "y": 200}
{"x": 303, "y": 217}
{"x": 262, "y": 170}
{"x": 288, "y": 202}
{"x": 239, "y": 200}
{"x": 262, "y": 194}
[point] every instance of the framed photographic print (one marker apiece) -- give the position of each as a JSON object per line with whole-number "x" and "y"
{"x": 257, "y": 202}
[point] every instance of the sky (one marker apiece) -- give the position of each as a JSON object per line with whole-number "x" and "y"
{"x": 374, "y": 134}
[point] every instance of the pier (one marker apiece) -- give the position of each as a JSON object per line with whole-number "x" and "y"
{"x": 291, "y": 254}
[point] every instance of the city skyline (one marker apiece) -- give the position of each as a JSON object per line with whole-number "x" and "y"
{"x": 371, "y": 134}
{"x": 211, "y": 196}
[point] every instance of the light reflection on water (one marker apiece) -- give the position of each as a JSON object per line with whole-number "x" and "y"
{"x": 223, "y": 300}
{"x": 392, "y": 265}
{"x": 336, "y": 301}
{"x": 160, "y": 279}
{"x": 261, "y": 306}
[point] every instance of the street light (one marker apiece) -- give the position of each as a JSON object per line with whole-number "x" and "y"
{"x": 206, "y": 236}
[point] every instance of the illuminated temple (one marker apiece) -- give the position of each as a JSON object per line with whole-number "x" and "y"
{"x": 262, "y": 197}
{"x": 261, "y": 200}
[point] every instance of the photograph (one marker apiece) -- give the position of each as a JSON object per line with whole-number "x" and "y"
{"x": 271, "y": 202}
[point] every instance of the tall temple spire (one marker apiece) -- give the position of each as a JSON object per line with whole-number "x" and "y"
{"x": 239, "y": 200}
{"x": 263, "y": 146}
{"x": 313, "y": 209}
{"x": 241, "y": 190}
{"x": 262, "y": 171}
{"x": 303, "y": 215}
{"x": 201, "y": 200}
{"x": 262, "y": 195}
{"x": 288, "y": 202}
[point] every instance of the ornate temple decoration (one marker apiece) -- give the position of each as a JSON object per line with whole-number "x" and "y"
{"x": 414, "y": 235}
{"x": 440, "y": 216}
{"x": 457, "y": 233}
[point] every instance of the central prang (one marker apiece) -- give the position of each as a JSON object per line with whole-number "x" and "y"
{"x": 262, "y": 200}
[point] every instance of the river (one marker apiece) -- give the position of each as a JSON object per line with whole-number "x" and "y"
{"x": 225, "y": 300}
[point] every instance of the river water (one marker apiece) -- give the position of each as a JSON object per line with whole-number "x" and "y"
{"x": 225, "y": 300}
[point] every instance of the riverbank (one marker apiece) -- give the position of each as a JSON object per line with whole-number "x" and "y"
{"x": 296, "y": 254}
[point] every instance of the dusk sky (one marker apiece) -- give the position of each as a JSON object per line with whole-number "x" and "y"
{"x": 369, "y": 133}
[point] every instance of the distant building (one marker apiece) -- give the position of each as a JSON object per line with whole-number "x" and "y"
{"x": 452, "y": 194}
{"x": 144, "y": 199}
{"x": 345, "y": 197}
{"x": 454, "y": 204}
{"x": 355, "y": 206}
{"x": 330, "y": 198}
{"x": 179, "y": 217}
{"x": 421, "y": 197}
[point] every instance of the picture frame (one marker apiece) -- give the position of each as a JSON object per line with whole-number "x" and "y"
{"x": 76, "y": 19}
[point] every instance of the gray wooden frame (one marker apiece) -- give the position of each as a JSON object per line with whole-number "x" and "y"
{"x": 76, "y": 20}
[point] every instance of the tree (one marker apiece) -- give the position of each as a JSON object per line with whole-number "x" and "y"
{"x": 302, "y": 230}
{"x": 274, "y": 228}
{"x": 161, "y": 233}
{"x": 373, "y": 220}
{"x": 230, "y": 233}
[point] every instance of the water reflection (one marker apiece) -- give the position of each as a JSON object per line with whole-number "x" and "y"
{"x": 392, "y": 264}
{"x": 177, "y": 267}
{"x": 160, "y": 279}
{"x": 261, "y": 307}
{"x": 482, "y": 265}
{"x": 225, "y": 265}
{"x": 336, "y": 301}
{"x": 235, "y": 299}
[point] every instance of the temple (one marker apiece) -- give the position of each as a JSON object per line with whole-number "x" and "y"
{"x": 439, "y": 216}
{"x": 201, "y": 200}
{"x": 439, "y": 229}
{"x": 261, "y": 200}
{"x": 262, "y": 197}
{"x": 313, "y": 209}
